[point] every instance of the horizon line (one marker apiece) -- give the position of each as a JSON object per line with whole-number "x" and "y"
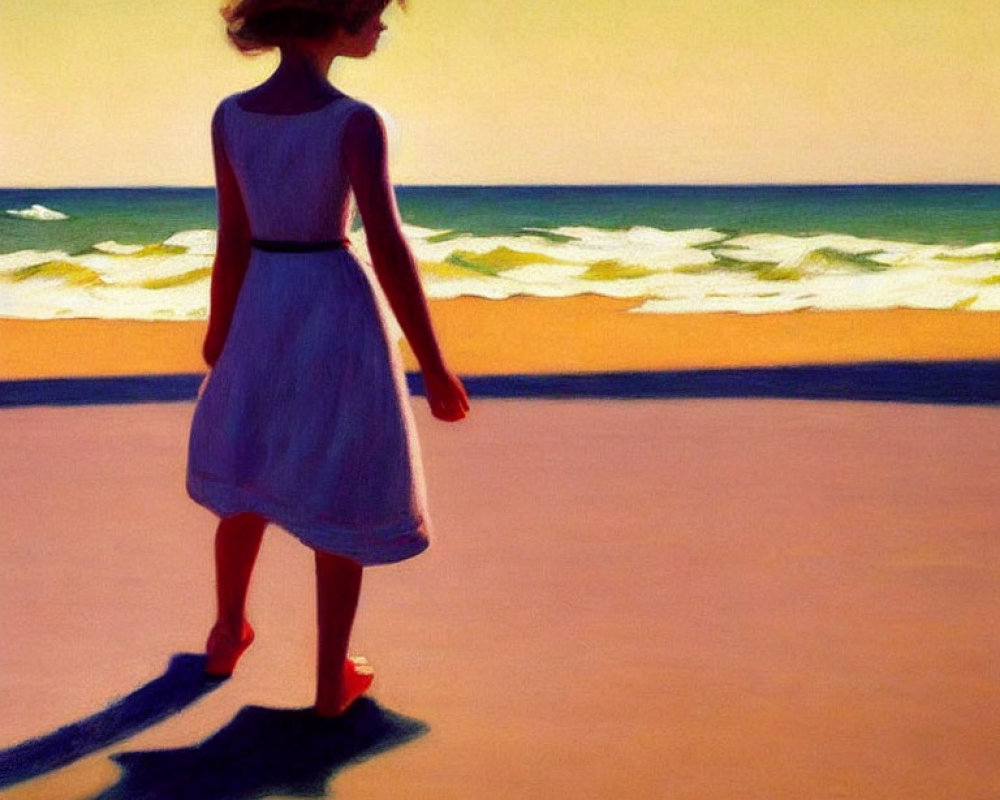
{"x": 608, "y": 185}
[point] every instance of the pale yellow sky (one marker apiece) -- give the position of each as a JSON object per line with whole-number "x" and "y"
{"x": 119, "y": 92}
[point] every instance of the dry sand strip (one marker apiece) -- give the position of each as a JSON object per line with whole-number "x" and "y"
{"x": 532, "y": 335}
{"x": 646, "y": 599}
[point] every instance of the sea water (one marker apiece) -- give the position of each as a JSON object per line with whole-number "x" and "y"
{"x": 146, "y": 253}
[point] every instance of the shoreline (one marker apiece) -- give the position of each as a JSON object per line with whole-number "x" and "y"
{"x": 542, "y": 336}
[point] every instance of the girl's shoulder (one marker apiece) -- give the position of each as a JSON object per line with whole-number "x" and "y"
{"x": 229, "y": 101}
{"x": 360, "y": 112}
{"x": 248, "y": 102}
{"x": 340, "y": 114}
{"x": 222, "y": 112}
{"x": 364, "y": 129}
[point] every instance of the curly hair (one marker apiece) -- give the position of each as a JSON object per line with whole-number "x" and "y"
{"x": 256, "y": 25}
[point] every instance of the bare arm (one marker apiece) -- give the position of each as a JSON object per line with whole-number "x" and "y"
{"x": 232, "y": 253}
{"x": 364, "y": 150}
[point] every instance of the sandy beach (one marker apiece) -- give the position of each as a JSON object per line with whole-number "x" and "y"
{"x": 646, "y": 599}
{"x": 660, "y": 598}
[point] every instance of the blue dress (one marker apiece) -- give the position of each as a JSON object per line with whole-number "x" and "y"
{"x": 306, "y": 418}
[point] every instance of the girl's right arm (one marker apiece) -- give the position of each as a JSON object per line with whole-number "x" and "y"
{"x": 364, "y": 150}
{"x": 232, "y": 251}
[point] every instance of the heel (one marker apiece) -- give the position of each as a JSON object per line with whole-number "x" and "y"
{"x": 222, "y": 651}
{"x": 357, "y": 678}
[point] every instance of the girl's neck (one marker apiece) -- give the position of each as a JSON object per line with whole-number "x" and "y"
{"x": 298, "y": 84}
{"x": 307, "y": 63}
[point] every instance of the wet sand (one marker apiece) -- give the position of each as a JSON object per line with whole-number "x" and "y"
{"x": 645, "y": 599}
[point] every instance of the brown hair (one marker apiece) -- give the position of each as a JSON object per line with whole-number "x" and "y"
{"x": 255, "y": 25}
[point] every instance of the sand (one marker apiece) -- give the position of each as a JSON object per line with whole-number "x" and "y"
{"x": 537, "y": 335}
{"x": 643, "y": 599}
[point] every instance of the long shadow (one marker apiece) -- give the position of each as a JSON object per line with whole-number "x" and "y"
{"x": 263, "y": 752}
{"x": 975, "y": 382}
{"x": 938, "y": 382}
{"x": 183, "y": 682}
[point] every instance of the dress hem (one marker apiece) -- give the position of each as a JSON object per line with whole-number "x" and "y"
{"x": 389, "y": 543}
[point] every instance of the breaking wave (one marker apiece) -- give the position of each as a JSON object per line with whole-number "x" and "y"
{"x": 687, "y": 271}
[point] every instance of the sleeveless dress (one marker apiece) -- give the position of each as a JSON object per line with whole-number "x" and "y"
{"x": 306, "y": 418}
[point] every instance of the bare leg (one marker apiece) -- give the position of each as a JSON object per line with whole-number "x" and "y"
{"x": 339, "y": 680}
{"x": 237, "y": 543}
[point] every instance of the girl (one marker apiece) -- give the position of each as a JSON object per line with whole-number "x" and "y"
{"x": 304, "y": 418}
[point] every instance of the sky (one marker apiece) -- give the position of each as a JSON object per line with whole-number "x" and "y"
{"x": 120, "y": 92}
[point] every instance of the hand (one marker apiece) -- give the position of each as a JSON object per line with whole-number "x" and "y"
{"x": 446, "y": 395}
{"x": 204, "y": 383}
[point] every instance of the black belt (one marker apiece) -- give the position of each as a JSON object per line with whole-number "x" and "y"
{"x": 278, "y": 246}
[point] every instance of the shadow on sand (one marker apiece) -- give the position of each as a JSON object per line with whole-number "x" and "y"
{"x": 263, "y": 752}
{"x": 182, "y": 684}
{"x": 972, "y": 382}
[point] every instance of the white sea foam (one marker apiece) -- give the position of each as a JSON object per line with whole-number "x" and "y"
{"x": 689, "y": 271}
{"x": 9, "y": 262}
{"x": 41, "y": 300}
{"x": 644, "y": 246}
{"x": 743, "y": 304}
{"x": 544, "y": 273}
{"x": 114, "y": 248}
{"x": 117, "y": 305}
{"x": 37, "y": 212}
{"x": 200, "y": 242}
{"x": 439, "y": 251}
{"x": 417, "y": 232}
{"x": 986, "y": 250}
{"x": 585, "y": 246}
{"x": 116, "y": 284}
{"x": 137, "y": 270}
{"x": 644, "y": 235}
{"x": 477, "y": 286}
{"x": 792, "y": 251}
{"x": 905, "y": 288}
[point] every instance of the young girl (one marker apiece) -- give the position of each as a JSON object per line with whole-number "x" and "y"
{"x": 304, "y": 419}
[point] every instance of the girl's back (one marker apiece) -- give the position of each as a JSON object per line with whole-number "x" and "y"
{"x": 290, "y": 169}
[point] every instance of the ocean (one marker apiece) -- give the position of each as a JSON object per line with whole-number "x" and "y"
{"x": 146, "y": 253}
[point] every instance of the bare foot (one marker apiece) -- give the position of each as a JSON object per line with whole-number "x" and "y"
{"x": 224, "y": 649}
{"x": 356, "y": 680}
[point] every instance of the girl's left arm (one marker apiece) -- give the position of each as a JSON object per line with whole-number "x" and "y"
{"x": 364, "y": 150}
{"x": 232, "y": 252}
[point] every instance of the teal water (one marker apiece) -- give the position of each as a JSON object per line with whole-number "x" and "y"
{"x": 129, "y": 216}
{"x": 670, "y": 249}
{"x": 926, "y": 214}
{"x": 942, "y": 214}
